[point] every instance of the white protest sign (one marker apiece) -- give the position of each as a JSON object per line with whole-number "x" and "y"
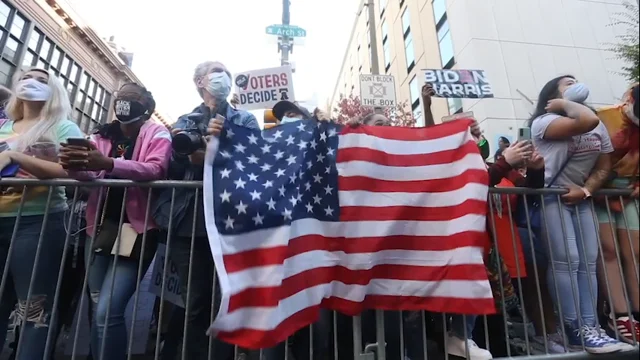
{"x": 472, "y": 84}
{"x": 462, "y": 115}
{"x": 172, "y": 291}
{"x": 263, "y": 88}
{"x": 378, "y": 90}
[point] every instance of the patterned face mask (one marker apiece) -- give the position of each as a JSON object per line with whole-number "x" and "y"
{"x": 128, "y": 112}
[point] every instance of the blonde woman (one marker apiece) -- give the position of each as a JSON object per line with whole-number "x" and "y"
{"x": 38, "y": 121}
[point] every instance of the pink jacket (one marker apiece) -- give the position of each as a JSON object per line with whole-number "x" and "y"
{"x": 150, "y": 161}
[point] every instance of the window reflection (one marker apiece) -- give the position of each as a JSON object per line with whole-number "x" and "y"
{"x": 439, "y": 9}
{"x": 4, "y": 14}
{"x": 414, "y": 92}
{"x": 446, "y": 48}
{"x": 17, "y": 28}
{"x": 408, "y": 51}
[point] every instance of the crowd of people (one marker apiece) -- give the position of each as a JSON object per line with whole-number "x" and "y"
{"x": 561, "y": 260}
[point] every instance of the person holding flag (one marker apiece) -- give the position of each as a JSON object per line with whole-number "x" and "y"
{"x": 213, "y": 83}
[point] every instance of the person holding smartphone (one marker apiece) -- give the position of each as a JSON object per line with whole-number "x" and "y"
{"x": 133, "y": 148}
{"x": 38, "y": 119}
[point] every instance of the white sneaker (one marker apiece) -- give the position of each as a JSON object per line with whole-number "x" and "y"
{"x": 458, "y": 347}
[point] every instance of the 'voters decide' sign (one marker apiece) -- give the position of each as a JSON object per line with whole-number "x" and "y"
{"x": 261, "y": 89}
{"x": 471, "y": 84}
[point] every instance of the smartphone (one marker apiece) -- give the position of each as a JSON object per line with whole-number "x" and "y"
{"x": 10, "y": 171}
{"x": 524, "y": 134}
{"x": 81, "y": 142}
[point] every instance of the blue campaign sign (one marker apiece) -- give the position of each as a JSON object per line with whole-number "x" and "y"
{"x": 286, "y": 30}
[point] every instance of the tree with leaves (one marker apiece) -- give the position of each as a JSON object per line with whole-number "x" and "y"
{"x": 351, "y": 108}
{"x": 628, "y": 46}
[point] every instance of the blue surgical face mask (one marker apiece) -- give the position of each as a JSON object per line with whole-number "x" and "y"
{"x": 577, "y": 92}
{"x": 219, "y": 85}
{"x": 286, "y": 119}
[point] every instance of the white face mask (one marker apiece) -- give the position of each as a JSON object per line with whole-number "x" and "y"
{"x": 32, "y": 90}
{"x": 286, "y": 119}
{"x": 628, "y": 110}
{"x": 219, "y": 85}
{"x": 577, "y": 92}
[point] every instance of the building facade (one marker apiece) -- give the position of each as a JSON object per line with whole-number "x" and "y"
{"x": 521, "y": 44}
{"x": 49, "y": 34}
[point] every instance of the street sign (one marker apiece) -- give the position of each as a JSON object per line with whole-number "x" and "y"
{"x": 377, "y": 90}
{"x": 286, "y": 30}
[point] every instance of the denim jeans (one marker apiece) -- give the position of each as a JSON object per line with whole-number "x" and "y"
{"x": 574, "y": 257}
{"x": 22, "y": 263}
{"x": 460, "y": 323}
{"x": 199, "y": 317}
{"x": 111, "y": 294}
{"x": 301, "y": 341}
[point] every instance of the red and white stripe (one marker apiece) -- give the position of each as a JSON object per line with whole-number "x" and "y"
{"x": 411, "y": 237}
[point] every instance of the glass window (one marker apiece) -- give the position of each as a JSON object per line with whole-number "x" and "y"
{"x": 79, "y": 99}
{"x": 406, "y": 21}
{"x": 443, "y": 30}
{"x": 387, "y": 54}
{"x": 84, "y": 124}
{"x": 103, "y": 117}
{"x": 77, "y": 115}
{"x": 455, "y": 105}
{"x": 383, "y": 5}
{"x": 4, "y": 14}
{"x": 439, "y": 9}
{"x": 71, "y": 89}
{"x": 44, "y": 50}
{"x": 106, "y": 102}
{"x": 86, "y": 108}
{"x": 55, "y": 57}
{"x": 64, "y": 68}
{"x": 96, "y": 111}
{"x": 41, "y": 64}
{"x": 73, "y": 74}
{"x": 10, "y": 49}
{"x": 34, "y": 40}
{"x": 99, "y": 94}
{"x": 6, "y": 70}
{"x": 83, "y": 81}
{"x": 17, "y": 27}
{"x": 408, "y": 50}
{"x": 417, "y": 115}
{"x": 94, "y": 124}
{"x": 28, "y": 60}
{"x": 414, "y": 91}
{"x": 385, "y": 30}
{"x": 446, "y": 45}
{"x": 92, "y": 88}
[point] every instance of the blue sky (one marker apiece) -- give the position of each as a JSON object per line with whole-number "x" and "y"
{"x": 171, "y": 39}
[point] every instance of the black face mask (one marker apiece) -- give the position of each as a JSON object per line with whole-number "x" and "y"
{"x": 129, "y": 112}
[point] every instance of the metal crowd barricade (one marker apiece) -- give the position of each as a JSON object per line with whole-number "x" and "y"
{"x": 514, "y": 331}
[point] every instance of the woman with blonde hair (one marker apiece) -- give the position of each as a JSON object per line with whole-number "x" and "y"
{"x": 38, "y": 114}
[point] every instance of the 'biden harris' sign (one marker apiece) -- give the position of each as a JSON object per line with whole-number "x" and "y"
{"x": 472, "y": 84}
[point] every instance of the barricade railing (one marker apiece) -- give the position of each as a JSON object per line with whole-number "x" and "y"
{"x": 575, "y": 265}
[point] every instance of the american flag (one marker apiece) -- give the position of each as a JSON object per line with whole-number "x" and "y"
{"x": 308, "y": 215}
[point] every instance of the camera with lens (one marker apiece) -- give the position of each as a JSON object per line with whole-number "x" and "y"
{"x": 190, "y": 139}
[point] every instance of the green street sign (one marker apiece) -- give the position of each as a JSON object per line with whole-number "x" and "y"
{"x": 286, "y": 30}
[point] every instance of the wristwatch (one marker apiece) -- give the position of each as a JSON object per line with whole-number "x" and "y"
{"x": 587, "y": 193}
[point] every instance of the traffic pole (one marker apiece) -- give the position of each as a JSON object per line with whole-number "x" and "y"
{"x": 284, "y": 46}
{"x": 373, "y": 40}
